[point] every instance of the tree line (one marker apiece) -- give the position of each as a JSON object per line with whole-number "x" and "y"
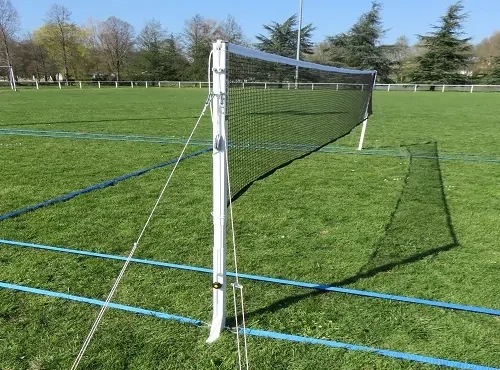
{"x": 111, "y": 49}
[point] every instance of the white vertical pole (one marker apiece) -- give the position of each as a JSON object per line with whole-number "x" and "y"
{"x": 388, "y": 87}
{"x": 265, "y": 85}
{"x": 220, "y": 190}
{"x": 132, "y": 84}
{"x": 59, "y": 82}
{"x": 99, "y": 84}
{"x": 415, "y": 88}
{"x": 179, "y": 84}
{"x": 443, "y": 88}
{"x": 146, "y": 84}
{"x": 337, "y": 87}
{"x": 365, "y": 121}
{"x": 36, "y": 83}
{"x": 298, "y": 45}
{"x": 243, "y": 84}
{"x": 116, "y": 84}
{"x": 312, "y": 86}
{"x": 12, "y": 79}
{"x": 80, "y": 83}
{"x": 471, "y": 88}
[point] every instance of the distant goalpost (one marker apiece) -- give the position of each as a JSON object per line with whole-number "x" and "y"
{"x": 257, "y": 129}
{"x": 10, "y": 76}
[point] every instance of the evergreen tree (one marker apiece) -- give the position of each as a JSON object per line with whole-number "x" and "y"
{"x": 282, "y": 39}
{"x": 360, "y": 47}
{"x": 446, "y": 54}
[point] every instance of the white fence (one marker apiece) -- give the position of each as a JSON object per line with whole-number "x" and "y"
{"x": 263, "y": 85}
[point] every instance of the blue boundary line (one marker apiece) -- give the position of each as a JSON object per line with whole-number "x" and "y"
{"x": 256, "y": 332}
{"x": 100, "y": 185}
{"x": 384, "y": 152}
{"x": 300, "y": 284}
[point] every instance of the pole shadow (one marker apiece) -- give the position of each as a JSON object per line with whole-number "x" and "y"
{"x": 420, "y": 226}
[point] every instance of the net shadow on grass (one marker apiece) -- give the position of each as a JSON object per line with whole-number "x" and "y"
{"x": 420, "y": 225}
{"x": 97, "y": 121}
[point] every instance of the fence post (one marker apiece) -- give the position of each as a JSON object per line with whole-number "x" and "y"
{"x": 265, "y": 85}
{"x": 132, "y": 84}
{"x": 312, "y": 86}
{"x": 337, "y": 87}
{"x": 179, "y": 84}
{"x": 80, "y": 82}
{"x": 99, "y": 84}
{"x": 59, "y": 82}
{"x": 243, "y": 84}
{"x": 471, "y": 88}
{"x": 388, "y": 87}
{"x": 36, "y": 82}
{"x": 443, "y": 88}
{"x": 415, "y": 89}
{"x": 146, "y": 84}
{"x": 116, "y": 84}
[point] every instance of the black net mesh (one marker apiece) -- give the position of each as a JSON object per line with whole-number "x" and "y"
{"x": 272, "y": 120}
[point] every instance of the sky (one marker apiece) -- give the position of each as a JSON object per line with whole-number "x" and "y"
{"x": 330, "y": 17}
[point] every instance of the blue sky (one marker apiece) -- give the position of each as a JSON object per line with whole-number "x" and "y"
{"x": 401, "y": 17}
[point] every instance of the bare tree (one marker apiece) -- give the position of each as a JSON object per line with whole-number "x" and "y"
{"x": 198, "y": 34}
{"x": 231, "y": 31}
{"x": 60, "y": 17}
{"x": 399, "y": 54}
{"x": 116, "y": 38}
{"x": 9, "y": 25}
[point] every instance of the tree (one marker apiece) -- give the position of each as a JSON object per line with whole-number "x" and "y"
{"x": 446, "y": 54}
{"x": 282, "y": 38}
{"x": 360, "y": 47}
{"x": 399, "y": 54}
{"x": 487, "y": 52}
{"x": 70, "y": 54}
{"x": 116, "y": 38}
{"x": 9, "y": 25}
{"x": 59, "y": 19}
{"x": 199, "y": 33}
{"x": 231, "y": 31}
{"x": 151, "y": 42}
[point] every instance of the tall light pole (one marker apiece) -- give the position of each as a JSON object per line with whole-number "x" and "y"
{"x": 298, "y": 45}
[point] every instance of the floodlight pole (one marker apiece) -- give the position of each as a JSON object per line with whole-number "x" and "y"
{"x": 298, "y": 44}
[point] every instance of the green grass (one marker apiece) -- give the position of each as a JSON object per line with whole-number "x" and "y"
{"x": 408, "y": 226}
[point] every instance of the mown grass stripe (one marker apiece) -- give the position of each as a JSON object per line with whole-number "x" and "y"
{"x": 300, "y": 284}
{"x": 254, "y": 332}
{"x": 100, "y": 185}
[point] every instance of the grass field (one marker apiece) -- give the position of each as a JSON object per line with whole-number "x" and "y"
{"x": 416, "y": 214}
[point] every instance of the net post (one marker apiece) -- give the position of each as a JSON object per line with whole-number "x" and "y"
{"x": 367, "y": 113}
{"x": 220, "y": 190}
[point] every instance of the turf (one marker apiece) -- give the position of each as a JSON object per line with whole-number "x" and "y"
{"x": 412, "y": 225}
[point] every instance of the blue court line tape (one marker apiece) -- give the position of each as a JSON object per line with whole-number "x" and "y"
{"x": 354, "y": 347}
{"x": 384, "y": 152}
{"x": 255, "y": 332}
{"x": 300, "y": 284}
{"x": 142, "y": 311}
{"x": 100, "y": 185}
{"x": 102, "y": 136}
